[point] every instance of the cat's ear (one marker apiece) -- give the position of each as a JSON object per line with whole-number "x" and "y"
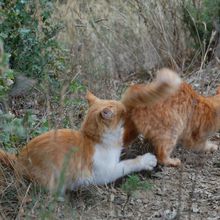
{"x": 91, "y": 98}
{"x": 107, "y": 113}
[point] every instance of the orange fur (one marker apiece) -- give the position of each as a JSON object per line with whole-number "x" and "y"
{"x": 166, "y": 84}
{"x": 185, "y": 117}
{"x": 218, "y": 91}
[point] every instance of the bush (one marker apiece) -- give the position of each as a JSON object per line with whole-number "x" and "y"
{"x": 199, "y": 17}
{"x": 14, "y": 130}
{"x": 29, "y": 34}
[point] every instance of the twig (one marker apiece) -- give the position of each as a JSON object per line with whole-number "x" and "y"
{"x": 22, "y": 202}
{"x": 126, "y": 202}
{"x": 101, "y": 19}
{"x": 207, "y": 50}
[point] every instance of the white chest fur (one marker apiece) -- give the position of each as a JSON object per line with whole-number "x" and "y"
{"x": 107, "y": 166}
{"x": 107, "y": 155}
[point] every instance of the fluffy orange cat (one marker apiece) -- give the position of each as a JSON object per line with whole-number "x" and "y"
{"x": 185, "y": 117}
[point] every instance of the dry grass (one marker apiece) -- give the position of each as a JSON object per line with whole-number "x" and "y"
{"x": 111, "y": 40}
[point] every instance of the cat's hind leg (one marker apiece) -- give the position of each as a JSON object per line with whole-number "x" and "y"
{"x": 163, "y": 149}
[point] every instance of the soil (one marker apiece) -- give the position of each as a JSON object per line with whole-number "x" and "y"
{"x": 189, "y": 192}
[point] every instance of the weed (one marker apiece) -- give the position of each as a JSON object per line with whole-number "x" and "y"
{"x": 29, "y": 35}
{"x": 134, "y": 183}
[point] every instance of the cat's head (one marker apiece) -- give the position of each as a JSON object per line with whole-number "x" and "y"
{"x": 102, "y": 115}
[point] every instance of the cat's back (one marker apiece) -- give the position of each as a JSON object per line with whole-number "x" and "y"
{"x": 187, "y": 91}
{"x": 53, "y": 142}
{"x": 173, "y": 110}
{"x": 59, "y": 136}
{"x": 182, "y": 98}
{"x": 184, "y": 94}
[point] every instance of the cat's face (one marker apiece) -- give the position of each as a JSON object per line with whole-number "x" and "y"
{"x": 107, "y": 113}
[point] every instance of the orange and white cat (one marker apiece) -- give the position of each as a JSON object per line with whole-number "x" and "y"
{"x": 185, "y": 117}
{"x": 88, "y": 156}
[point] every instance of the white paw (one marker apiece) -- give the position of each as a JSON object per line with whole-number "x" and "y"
{"x": 148, "y": 161}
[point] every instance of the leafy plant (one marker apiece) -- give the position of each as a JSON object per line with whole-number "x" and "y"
{"x": 6, "y": 74}
{"x": 15, "y": 131}
{"x": 199, "y": 17}
{"x": 134, "y": 183}
{"x": 29, "y": 34}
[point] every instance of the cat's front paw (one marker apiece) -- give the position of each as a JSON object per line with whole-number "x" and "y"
{"x": 148, "y": 161}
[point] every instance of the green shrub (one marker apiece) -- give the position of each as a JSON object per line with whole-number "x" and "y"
{"x": 14, "y": 130}
{"x": 29, "y": 34}
{"x": 199, "y": 17}
{"x": 6, "y": 75}
{"x": 134, "y": 183}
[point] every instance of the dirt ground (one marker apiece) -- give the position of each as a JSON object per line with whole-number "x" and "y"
{"x": 190, "y": 192}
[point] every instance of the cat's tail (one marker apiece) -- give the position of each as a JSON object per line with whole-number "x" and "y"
{"x": 7, "y": 159}
{"x": 165, "y": 85}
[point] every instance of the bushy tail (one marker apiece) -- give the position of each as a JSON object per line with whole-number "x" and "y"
{"x": 7, "y": 159}
{"x": 166, "y": 84}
